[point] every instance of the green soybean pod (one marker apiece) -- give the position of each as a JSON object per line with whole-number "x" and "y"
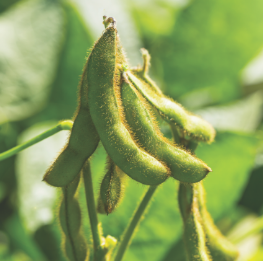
{"x": 105, "y": 67}
{"x": 184, "y": 167}
{"x": 74, "y": 245}
{"x": 194, "y": 235}
{"x": 112, "y": 188}
{"x": 82, "y": 143}
{"x": 221, "y": 248}
{"x": 195, "y": 127}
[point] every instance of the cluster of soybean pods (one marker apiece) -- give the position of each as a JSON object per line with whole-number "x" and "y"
{"x": 118, "y": 106}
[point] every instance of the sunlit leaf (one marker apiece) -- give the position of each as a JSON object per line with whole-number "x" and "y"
{"x": 28, "y": 56}
{"x": 209, "y": 45}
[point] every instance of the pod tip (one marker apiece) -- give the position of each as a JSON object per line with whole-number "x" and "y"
{"x": 109, "y": 21}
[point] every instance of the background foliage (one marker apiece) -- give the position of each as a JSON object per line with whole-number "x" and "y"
{"x": 205, "y": 54}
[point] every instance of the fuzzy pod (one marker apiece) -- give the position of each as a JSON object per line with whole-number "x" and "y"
{"x": 220, "y": 247}
{"x": 184, "y": 167}
{"x": 193, "y": 126}
{"x": 194, "y": 235}
{"x": 74, "y": 245}
{"x": 105, "y": 66}
{"x": 100, "y": 206}
{"x": 111, "y": 189}
{"x": 82, "y": 143}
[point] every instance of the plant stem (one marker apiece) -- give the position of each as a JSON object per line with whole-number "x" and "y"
{"x": 63, "y": 125}
{"x": 97, "y": 243}
{"x": 256, "y": 228}
{"x": 134, "y": 223}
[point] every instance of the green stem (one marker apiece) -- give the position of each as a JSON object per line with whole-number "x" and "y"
{"x": 134, "y": 223}
{"x": 63, "y": 125}
{"x": 97, "y": 243}
{"x": 256, "y": 228}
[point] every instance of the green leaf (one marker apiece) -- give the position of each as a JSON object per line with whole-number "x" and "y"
{"x": 5, "y": 4}
{"x": 258, "y": 256}
{"x": 48, "y": 238}
{"x": 231, "y": 158}
{"x": 209, "y": 45}
{"x": 20, "y": 239}
{"x": 29, "y": 54}
{"x": 63, "y": 98}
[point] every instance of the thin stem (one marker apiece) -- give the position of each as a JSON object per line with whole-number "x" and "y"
{"x": 176, "y": 136}
{"x": 97, "y": 243}
{"x": 63, "y": 125}
{"x": 256, "y": 228}
{"x": 134, "y": 223}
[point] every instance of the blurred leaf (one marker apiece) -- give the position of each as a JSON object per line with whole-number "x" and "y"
{"x": 243, "y": 115}
{"x": 146, "y": 12}
{"x": 250, "y": 244}
{"x": 210, "y": 43}
{"x": 258, "y": 256}
{"x": 231, "y": 158}
{"x": 48, "y": 241}
{"x": 28, "y": 56}
{"x": 5, "y": 4}
{"x": 252, "y": 197}
{"x": 63, "y": 96}
{"x": 20, "y": 238}
{"x": 231, "y": 218}
{"x": 92, "y": 13}
{"x": 252, "y": 74}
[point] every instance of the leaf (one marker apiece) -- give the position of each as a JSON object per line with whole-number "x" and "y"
{"x": 92, "y": 13}
{"x": 251, "y": 197}
{"x": 48, "y": 238}
{"x": 64, "y": 90}
{"x": 243, "y": 115}
{"x": 209, "y": 45}
{"x": 231, "y": 158}
{"x": 20, "y": 238}
{"x": 258, "y": 256}
{"x": 28, "y": 56}
{"x": 5, "y": 4}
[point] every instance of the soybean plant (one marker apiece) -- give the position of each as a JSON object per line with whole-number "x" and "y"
{"x": 116, "y": 105}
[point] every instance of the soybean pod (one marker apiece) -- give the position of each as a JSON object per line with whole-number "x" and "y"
{"x": 194, "y": 235}
{"x": 192, "y": 125}
{"x": 74, "y": 244}
{"x": 82, "y": 143}
{"x": 184, "y": 167}
{"x": 105, "y": 66}
{"x": 220, "y": 247}
{"x": 111, "y": 189}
